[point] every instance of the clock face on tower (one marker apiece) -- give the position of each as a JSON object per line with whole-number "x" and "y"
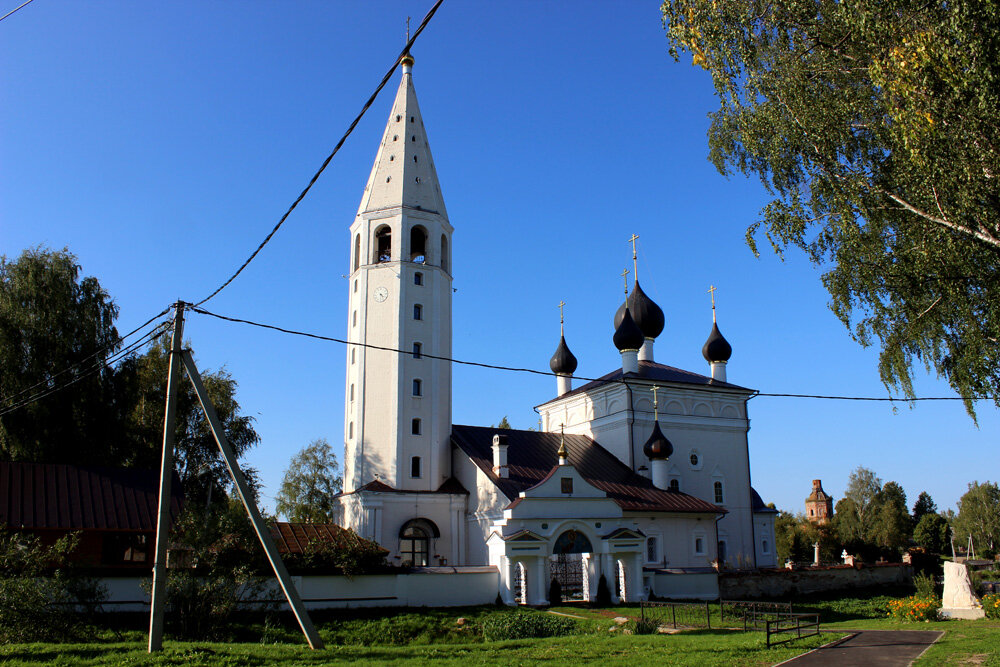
{"x": 381, "y": 294}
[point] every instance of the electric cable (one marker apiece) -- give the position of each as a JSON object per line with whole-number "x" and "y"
{"x": 329, "y": 158}
{"x": 27, "y": 2}
{"x": 118, "y": 341}
{"x": 95, "y": 368}
{"x": 533, "y": 371}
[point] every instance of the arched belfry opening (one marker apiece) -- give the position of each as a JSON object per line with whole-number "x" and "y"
{"x": 383, "y": 245}
{"x": 418, "y": 244}
{"x": 444, "y": 252}
{"x": 357, "y": 251}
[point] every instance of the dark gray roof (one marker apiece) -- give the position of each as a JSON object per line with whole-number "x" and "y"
{"x": 758, "y": 504}
{"x": 532, "y": 455}
{"x": 650, "y": 370}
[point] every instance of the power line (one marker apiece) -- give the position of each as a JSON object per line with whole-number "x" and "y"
{"x": 533, "y": 371}
{"x": 119, "y": 340}
{"x": 15, "y": 9}
{"x": 118, "y": 356}
{"x": 336, "y": 149}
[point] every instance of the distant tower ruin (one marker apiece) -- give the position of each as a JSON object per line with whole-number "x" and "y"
{"x": 819, "y": 504}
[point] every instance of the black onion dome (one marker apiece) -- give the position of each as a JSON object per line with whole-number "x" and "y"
{"x": 644, "y": 311}
{"x": 716, "y": 348}
{"x": 563, "y": 361}
{"x": 628, "y": 335}
{"x": 657, "y": 447}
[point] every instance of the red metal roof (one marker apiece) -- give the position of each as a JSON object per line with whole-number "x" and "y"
{"x": 294, "y": 537}
{"x": 65, "y": 497}
{"x": 532, "y": 455}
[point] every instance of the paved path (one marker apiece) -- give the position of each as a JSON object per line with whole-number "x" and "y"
{"x": 871, "y": 648}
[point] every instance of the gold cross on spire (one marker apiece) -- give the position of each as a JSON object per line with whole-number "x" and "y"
{"x": 624, "y": 275}
{"x": 635, "y": 264}
{"x": 407, "y": 29}
{"x": 711, "y": 290}
{"x": 562, "y": 443}
{"x": 561, "y": 304}
{"x": 656, "y": 415}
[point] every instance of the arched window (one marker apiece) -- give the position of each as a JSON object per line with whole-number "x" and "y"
{"x": 415, "y": 426}
{"x": 444, "y": 252}
{"x": 414, "y": 546}
{"x": 765, "y": 548}
{"x": 357, "y": 251}
{"x": 417, "y": 348}
{"x": 415, "y": 466}
{"x": 418, "y": 245}
{"x": 699, "y": 545}
{"x": 675, "y": 485}
{"x": 719, "y": 496}
{"x": 383, "y": 244}
{"x": 415, "y": 541}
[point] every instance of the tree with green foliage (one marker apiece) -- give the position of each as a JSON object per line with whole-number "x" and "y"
{"x": 893, "y": 527}
{"x": 875, "y": 128}
{"x": 924, "y": 505}
{"x": 203, "y": 473}
{"x": 979, "y": 516}
{"x": 52, "y": 319}
{"x": 311, "y": 481}
{"x": 931, "y": 533}
{"x": 504, "y": 423}
{"x": 857, "y": 512}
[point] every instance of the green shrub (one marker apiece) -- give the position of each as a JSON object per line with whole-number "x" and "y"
{"x": 525, "y": 625}
{"x": 642, "y": 626}
{"x": 991, "y": 605}
{"x": 914, "y": 608}
{"x": 924, "y": 583}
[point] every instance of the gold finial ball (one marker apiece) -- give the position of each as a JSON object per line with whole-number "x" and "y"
{"x": 407, "y": 59}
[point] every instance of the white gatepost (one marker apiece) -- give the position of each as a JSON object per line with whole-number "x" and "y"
{"x": 541, "y": 590}
{"x": 587, "y": 563}
{"x": 508, "y": 575}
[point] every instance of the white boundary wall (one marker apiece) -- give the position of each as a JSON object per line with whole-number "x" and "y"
{"x": 423, "y": 587}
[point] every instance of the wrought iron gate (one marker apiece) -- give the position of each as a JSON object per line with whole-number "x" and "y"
{"x": 567, "y": 569}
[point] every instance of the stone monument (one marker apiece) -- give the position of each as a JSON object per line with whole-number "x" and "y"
{"x": 959, "y": 600}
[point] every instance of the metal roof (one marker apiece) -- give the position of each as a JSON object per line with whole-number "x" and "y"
{"x": 531, "y": 456}
{"x": 295, "y": 537}
{"x": 654, "y": 372}
{"x": 66, "y": 497}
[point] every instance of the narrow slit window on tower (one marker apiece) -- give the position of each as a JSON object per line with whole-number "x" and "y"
{"x": 418, "y": 311}
{"x": 719, "y": 495}
{"x": 352, "y": 393}
{"x": 353, "y": 356}
{"x": 415, "y": 466}
{"x": 355, "y": 286}
{"x": 444, "y": 252}
{"x": 414, "y": 158}
{"x": 383, "y": 244}
{"x": 411, "y": 119}
{"x": 354, "y": 321}
{"x": 357, "y": 252}
{"x": 418, "y": 278}
{"x": 398, "y": 118}
{"x": 417, "y": 349}
{"x": 418, "y": 245}
{"x": 415, "y": 426}
{"x": 418, "y": 388}
{"x": 350, "y": 430}
{"x": 413, "y": 138}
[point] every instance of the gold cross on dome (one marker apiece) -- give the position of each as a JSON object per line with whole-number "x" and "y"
{"x": 624, "y": 275}
{"x": 711, "y": 290}
{"x": 635, "y": 264}
{"x": 655, "y": 413}
{"x": 561, "y": 304}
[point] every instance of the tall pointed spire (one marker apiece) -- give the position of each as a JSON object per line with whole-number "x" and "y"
{"x": 403, "y": 173}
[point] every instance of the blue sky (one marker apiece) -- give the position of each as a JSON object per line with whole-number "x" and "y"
{"x": 160, "y": 142}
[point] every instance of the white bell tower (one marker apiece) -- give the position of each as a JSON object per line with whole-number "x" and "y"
{"x": 397, "y": 417}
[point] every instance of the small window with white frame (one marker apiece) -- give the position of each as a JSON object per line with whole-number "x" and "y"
{"x": 699, "y": 545}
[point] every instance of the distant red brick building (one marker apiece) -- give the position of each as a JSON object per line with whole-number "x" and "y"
{"x": 819, "y": 504}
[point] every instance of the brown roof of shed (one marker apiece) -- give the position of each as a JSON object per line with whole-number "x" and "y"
{"x": 650, "y": 370}
{"x": 531, "y": 456}
{"x": 66, "y": 497}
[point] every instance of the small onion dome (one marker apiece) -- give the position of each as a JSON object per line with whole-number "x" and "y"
{"x": 563, "y": 362}
{"x": 628, "y": 335}
{"x": 716, "y": 348}
{"x": 407, "y": 59}
{"x": 644, "y": 311}
{"x": 657, "y": 447}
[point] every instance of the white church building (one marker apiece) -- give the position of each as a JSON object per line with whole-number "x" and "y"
{"x": 641, "y": 477}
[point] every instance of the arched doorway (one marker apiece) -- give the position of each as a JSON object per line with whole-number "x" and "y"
{"x": 566, "y": 563}
{"x": 415, "y": 542}
{"x": 520, "y": 584}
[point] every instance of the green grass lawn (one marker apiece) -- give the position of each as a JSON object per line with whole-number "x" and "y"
{"x": 420, "y": 636}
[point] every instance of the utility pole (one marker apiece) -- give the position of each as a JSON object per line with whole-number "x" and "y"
{"x": 158, "y": 597}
